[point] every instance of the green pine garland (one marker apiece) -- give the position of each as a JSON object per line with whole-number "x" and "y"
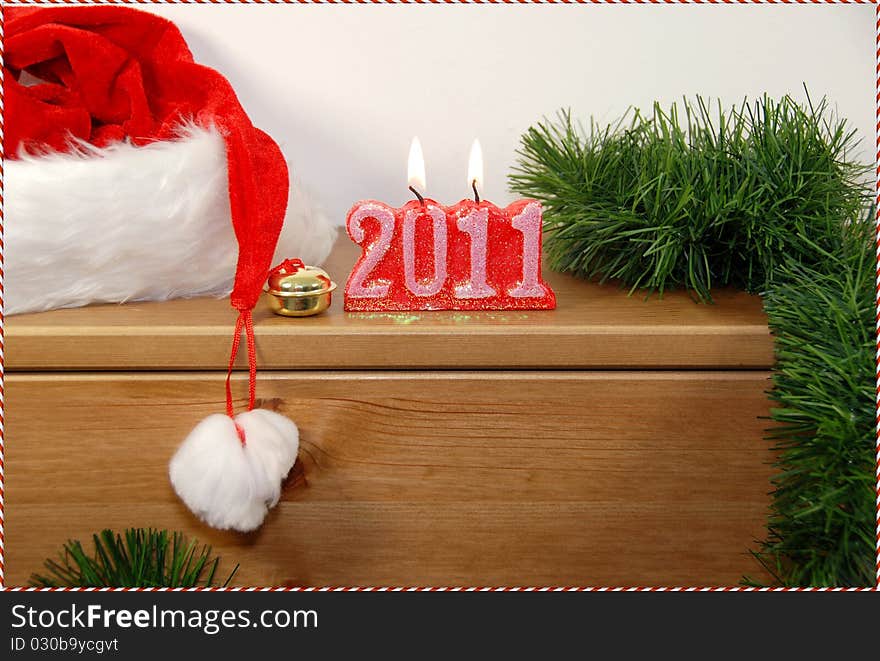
{"x": 135, "y": 559}
{"x": 821, "y": 528}
{"x": 765, "y": 197}
{"x": 691, "y": 198}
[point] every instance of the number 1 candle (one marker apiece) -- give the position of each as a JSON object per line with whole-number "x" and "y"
{"x": 424, "y": 256}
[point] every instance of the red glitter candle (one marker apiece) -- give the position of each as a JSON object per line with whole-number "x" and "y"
{"x": 424, "y": 256}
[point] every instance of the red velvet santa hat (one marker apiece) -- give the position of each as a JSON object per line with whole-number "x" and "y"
{"x": 101, "y": 75}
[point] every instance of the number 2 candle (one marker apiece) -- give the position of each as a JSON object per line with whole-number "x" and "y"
{"x": 424, "y": 256}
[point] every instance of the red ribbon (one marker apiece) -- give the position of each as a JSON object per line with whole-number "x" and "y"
{"x": 287, "y": 266}
{"x": 245, "y": 321}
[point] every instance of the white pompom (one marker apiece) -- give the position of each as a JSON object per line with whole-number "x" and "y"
{"x": 230, "y": 485}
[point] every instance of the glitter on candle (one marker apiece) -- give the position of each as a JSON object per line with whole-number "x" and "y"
{"x": 529, "y": 223}
{"x": 476, "y": 224}
{"x": 443, "y": 261}
{"x": 435, "y": 284}
{"x": 372, "y": 254}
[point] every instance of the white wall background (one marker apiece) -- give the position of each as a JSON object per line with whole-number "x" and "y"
{"x": 343, "y": 89}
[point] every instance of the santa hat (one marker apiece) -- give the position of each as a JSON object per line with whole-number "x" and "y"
{"x": 129, "y": 162}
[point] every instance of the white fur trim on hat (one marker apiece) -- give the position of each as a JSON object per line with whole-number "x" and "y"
{"x": 126, "y": 223}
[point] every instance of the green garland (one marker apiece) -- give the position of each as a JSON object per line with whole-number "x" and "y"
{"x": 690, "y": 197}
{"x": 821, "y": 528}
{"x": 135, "y": 559}
{"x": 765, "y": 197}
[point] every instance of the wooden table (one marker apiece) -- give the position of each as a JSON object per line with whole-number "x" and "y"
{"x": 613, "y": 441}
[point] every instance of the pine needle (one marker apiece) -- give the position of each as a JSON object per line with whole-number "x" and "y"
{"x": 763, "y": 197}
{"x": 137, "y": 558}
{"x": 693, "y": 197}
{"x": 821, "y": 527}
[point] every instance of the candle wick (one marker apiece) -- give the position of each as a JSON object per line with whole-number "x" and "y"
{"x": 476, "y": 193}
{"x": 418, "y": 195}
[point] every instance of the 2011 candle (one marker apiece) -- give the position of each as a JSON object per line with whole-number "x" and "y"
{"x": 424, "y": 256}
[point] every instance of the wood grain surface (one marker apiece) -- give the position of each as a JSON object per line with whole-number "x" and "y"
{"x": 421, "y": 478}
{"x": 594, "y": 327}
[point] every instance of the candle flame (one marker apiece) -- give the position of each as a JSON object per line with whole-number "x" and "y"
{"x": 475, "y": 167}
{"x": 416, "y": 166}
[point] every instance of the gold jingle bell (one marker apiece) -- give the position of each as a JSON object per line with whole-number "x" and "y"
{"x": 297, "y": 290}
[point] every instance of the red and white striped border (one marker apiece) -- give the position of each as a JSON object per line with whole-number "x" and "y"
{"x": 439, "y": 2}
{"x": 444, "y": 589}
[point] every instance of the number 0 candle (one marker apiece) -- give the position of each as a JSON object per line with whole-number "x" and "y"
{"x": 424, "y": 256}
